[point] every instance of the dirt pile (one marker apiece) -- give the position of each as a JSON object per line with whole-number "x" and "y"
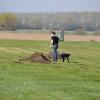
{"x": 37, "y": 57}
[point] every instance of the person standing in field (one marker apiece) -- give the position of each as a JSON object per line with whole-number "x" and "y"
{"x": 54, "y": 46}
{"x": 61, "y": 36}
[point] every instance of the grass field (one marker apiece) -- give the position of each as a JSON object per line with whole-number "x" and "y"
{"x": 77, "y": 80}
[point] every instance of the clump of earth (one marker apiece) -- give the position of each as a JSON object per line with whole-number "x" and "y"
{"x": 38, "y": 57}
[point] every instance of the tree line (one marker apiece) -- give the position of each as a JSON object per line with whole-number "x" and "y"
{"x": 70, "y": 21}
{"x": 7, "y": 21}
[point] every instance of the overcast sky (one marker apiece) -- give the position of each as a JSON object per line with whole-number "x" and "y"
{"x": 49, "y": 5}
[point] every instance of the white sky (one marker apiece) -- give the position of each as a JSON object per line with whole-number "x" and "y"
{"x": 49, "y": 5}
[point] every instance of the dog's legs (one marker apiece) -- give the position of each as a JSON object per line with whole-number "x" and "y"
{"x": 68, "y": 59}
{"x": 63, "y": 59}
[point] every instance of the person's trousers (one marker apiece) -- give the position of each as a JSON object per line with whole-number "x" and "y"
{"x": 54, "y": 52}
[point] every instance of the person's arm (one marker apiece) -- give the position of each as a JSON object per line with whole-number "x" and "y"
{"x": 51, "y": 42}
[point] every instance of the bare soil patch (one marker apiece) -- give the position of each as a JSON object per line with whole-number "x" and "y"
{"x": 26, "y": 36}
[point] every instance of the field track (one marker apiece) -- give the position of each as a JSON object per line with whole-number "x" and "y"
{"x": 26, "y": 36}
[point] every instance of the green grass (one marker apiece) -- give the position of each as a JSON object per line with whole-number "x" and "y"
{"x": 77, "y": 80}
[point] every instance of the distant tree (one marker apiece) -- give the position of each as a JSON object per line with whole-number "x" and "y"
{"x": 8, "y": 21}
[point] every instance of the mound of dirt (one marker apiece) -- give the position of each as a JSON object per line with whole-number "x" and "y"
{"x": 37, "y": 57}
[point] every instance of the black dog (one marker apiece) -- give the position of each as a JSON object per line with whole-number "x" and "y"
{"x": 65, "y": 56}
